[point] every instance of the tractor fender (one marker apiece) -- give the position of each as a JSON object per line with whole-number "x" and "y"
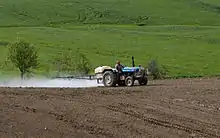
{"x": 112, "y": 70}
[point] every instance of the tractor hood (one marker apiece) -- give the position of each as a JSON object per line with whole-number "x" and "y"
{"x": 131, "y": 69}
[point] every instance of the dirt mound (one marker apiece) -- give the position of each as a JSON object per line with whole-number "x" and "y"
{"x": 169, "y": 108}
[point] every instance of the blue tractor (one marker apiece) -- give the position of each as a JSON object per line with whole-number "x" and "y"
{"x": 110, "y": 77}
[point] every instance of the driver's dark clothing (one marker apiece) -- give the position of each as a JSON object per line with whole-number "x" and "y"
{"x": 119, "y": 68}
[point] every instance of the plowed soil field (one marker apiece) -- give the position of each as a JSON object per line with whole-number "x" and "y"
{"x": 166, "y": 108}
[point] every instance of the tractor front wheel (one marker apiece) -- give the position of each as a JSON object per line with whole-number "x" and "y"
{"x": 143, "y": 81}
{"x": 129, "y": 81}
{"x": 109, "y": 79}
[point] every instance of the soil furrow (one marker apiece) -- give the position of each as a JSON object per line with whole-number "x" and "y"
{"x": 157, "y": 112}
{"x": 90, "y": 128}
{"x": 161, "y": 122}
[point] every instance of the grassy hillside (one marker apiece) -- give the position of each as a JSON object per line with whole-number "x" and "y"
{"x": 185, "y": 50}
{"x": 214, "y": 3}
{"x": 159, "y": 12}
{"x": 183, "y": 34}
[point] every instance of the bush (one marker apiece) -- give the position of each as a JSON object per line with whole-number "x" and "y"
{"x": 23, "y": 56}
{"x": 4, "y": 43}
{"x": 64, "y": 62}
{"x": 73, "y": 63}
{"x": 156, "y": 70}
{"x": 82, "y": 64}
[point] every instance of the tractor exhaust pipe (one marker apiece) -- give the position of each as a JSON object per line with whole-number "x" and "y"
{"x": 133, "y": 61}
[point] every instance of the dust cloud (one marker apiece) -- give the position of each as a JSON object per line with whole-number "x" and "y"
{"x": 49, "y": 83}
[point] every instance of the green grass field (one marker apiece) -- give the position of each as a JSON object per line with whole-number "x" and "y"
{"x": 183, "y": 34}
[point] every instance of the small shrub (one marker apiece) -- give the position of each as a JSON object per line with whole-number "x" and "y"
{"x": 64, "y": 62}
{"x": 4, "y": 43}
{"x": 141, "y": 24}
{"x": 73, "y": 63}
{"x": 156, "y": 70}
{"x": 83, "y": 65}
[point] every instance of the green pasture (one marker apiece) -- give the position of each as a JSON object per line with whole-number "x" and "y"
{"x": 184, "y": 35}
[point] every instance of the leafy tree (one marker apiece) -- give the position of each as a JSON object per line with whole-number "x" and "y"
{"x": 24, "y": 56}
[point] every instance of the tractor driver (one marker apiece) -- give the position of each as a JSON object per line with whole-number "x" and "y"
{"x": 119, "y": 67}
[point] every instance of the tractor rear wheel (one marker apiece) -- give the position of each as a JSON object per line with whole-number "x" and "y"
{"x": 109, "y": 79}
{"x": 129, "y": 81}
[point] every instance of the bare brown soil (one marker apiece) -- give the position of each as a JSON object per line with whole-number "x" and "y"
{"x": 168, "y": 108}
